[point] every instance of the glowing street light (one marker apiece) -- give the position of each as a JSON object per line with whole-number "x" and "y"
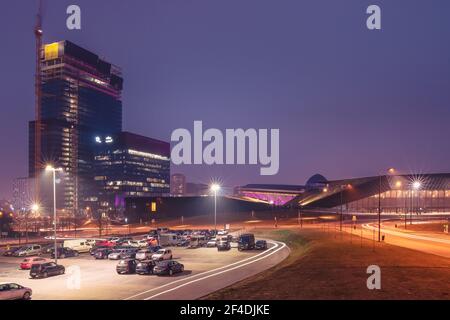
{"x": 35, "y": 207}
{"x": 53, "y": 170}
{"x": 416, "y": 185}
{"x": 215, "y": 188}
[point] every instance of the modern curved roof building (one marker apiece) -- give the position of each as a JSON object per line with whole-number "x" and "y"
{"x": 399, "y": 193}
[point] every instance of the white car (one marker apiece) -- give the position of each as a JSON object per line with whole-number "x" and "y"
{"x": 222, "y": 232}
{"x": 14, "y": 291}
{"x": 162, "y": 254}
{"x": 144, "y": 254}
{"x": 211, "y": 243}
{"x": 131, "y": 243}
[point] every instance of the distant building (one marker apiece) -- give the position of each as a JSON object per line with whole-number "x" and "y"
{"x": 81, "y": 99}
{"x": 395, "y": 193}
{"x": 128, "y": 165}
{"x": 23, "y": 194}
{"x": 178, "y": 184}
{"x": 197, "y": 189}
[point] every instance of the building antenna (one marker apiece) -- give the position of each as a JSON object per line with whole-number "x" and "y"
{"x": 38, "y": 32}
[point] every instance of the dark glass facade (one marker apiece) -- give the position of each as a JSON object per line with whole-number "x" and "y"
{"x": 81, "y": 99}
{"x": 129, "y": 165}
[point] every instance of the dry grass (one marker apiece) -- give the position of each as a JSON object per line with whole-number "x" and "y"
{"x": 327, "y": 266}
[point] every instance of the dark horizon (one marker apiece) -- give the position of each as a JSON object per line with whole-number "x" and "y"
{"x": 349, "y": 102}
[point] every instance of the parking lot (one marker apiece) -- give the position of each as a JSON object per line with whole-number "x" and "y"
{"x": 90, "y": 279}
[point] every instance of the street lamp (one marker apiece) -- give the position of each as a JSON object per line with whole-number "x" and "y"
{"x": 215, "y": 188}
{"x": 391, "y": 171}
{"x": 54, "y": 170}
{"x": 342, "y": 187}
{"x": 416, "y": 186}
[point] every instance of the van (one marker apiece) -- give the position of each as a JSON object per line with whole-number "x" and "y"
{"x": 168, "y": 239}
{"x": 246, "y": 242}
{"x": 29, "y": 250}
{"x": 80, "y": 245}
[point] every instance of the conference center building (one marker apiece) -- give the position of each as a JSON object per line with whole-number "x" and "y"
{"x": 411, "y": 193}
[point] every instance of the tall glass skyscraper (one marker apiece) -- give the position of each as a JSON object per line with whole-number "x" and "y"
{"x": 81, "y": 99}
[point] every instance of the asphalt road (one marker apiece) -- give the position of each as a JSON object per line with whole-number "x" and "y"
{"x": 206, "y": 270}
{"x": 425, "y": 242}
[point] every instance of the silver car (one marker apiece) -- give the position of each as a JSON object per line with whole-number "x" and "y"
{"x": 116, "y": 254}
{"x": 30, "y": 250}
{"x": 14, "y": 291}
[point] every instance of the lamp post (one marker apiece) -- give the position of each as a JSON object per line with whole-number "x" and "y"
{"x": 416, "y": 186}
{"x": 215, "y": 188}
{"x": 53, "y": 170}
{"x": 391, "y": 170}
{"x": 342, "y": 188}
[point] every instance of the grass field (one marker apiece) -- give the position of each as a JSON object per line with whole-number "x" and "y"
{"x": 328, "y": 265}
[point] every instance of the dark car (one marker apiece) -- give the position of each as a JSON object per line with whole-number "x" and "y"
{"x": 168, "y": 267}
{"x": 45, "y": 270}
{"x": 94, "y": 249}
{"x": 48, "y": 248}
{"x": 246, "y": 242}
{"x": 11, "y": 251}
{"x": 261, "y": 245}
{"x": 223, "y": 245}
{"x": 145, "y": 267}
{"x": 102, "y": 253}
{"x": 126, "y": 266}
{"x": 62, "y": 253}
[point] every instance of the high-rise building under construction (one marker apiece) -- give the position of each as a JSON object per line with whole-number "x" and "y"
{"x": 80, "y": 99}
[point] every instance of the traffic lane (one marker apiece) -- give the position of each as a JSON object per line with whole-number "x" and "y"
{"x": 199, "y": 285}
{"x": 98, "y": 279}
{"x": 410, "y": 241}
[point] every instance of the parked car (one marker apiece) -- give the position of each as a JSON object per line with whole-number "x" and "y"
{"x": 145, "y": 267}
{"x": 11, "y": 251}
{"x": 246, "y": 242}
{"x": 261, "y": 245}
{"x": 102, "y": 244}
{"x": 162, "y": 254}
{"x": 222, "y": 232}
{"x": 211, "y": 243}
{"x": 102, "y": 253}
{"x": 223, "y": 245}
{"x": 62, "y": 253}
{"x": 29, "y": 250}
{"x": 184, "y": 242}
{"x": 126, "y": 266}
{"x": 168, "y": 267}
{"x": 28, "y": 262}
{"x": 197, "y": 241}
{"x": 118, "y": 254}
{"x": 45, "y": 270}
{"x": 48, "y": 248}
{"x": 144, "y": 254}
{"x": 121, "y": 240}
{"x": 94, "y": 250}
{"x": 79, "y": 245}
{"x": 14, "y": 291}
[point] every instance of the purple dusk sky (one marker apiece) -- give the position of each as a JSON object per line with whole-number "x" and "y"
{"x": 348, "y": 101}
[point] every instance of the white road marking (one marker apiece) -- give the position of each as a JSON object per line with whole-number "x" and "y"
{"x": 406, "y": 235}
{"x": 276, "y": 245}
{"x": 215, "y": 274}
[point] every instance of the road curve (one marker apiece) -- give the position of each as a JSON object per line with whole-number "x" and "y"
{"x": 199, "y": 285}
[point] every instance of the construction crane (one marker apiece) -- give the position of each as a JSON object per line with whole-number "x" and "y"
{"x": 38, "y": 32}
